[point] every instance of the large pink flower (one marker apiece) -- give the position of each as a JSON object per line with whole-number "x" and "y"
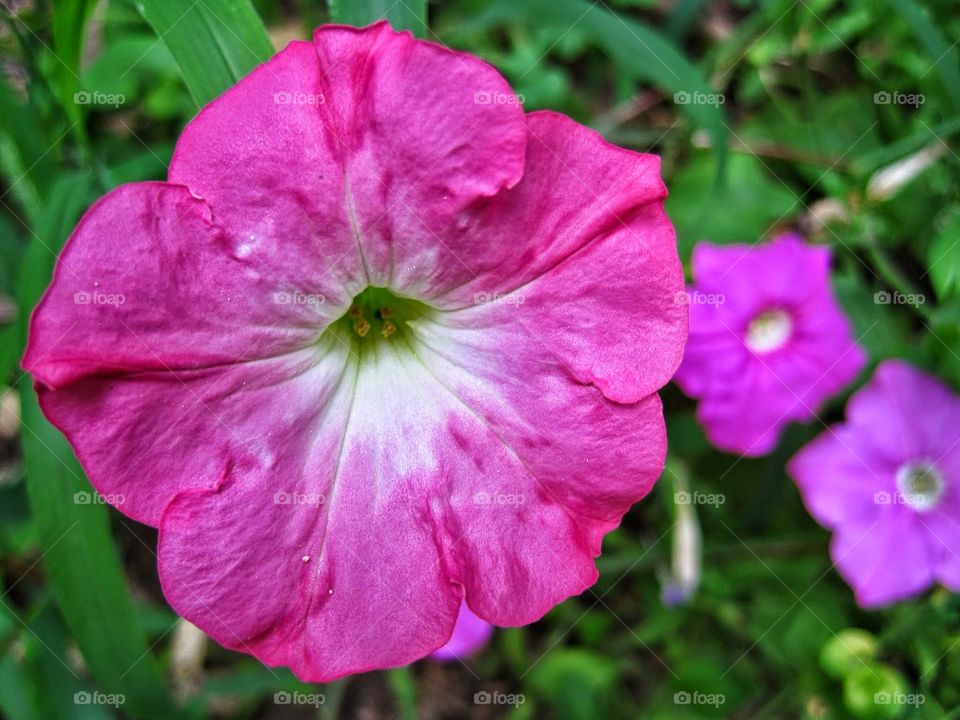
{"x": 381, "y": 343}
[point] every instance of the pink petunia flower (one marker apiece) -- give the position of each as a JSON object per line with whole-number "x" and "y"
{"x": 469, "y": 635}
{"x": 887, "y": 483}
{"x": 768, "y": 343}
{"x": 381, "y": 343}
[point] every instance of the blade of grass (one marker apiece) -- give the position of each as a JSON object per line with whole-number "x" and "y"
{"x": 27, "y": 159}
{"x": 62, "y": 693}
{"x": 16, "y": 700}
{"x": 404, "y": 690}
{"x": 215, "y": 44}
{"x": 942, "y": 53}
{"x": 69, "y": 28}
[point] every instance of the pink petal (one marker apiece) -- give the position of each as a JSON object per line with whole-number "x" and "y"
{"x": 581, "y": 256}
{"x": 839, "y": 476}
{"x": 423, "y": 132}
{"x": 144, "y": 437}
{"x": 747, "y": 276}
{"x": 884, "y": 560}
{"x": 581, "y": 453}
{"x": 942, "y": 527}
{"x": 469, "y": 635}
{"x": 906, "y": 414}
{"x": 149, "y": 281}
{"x": 267, "y": 161}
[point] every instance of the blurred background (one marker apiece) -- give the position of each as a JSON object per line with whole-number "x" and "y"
{"x": 838, "y": 120}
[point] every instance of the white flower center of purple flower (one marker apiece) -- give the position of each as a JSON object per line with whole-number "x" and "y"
{"x": 920, "y": 485}
{"x": 769, "y": 331}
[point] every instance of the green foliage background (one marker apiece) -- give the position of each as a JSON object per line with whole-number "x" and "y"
{"x": 798, "y": 136}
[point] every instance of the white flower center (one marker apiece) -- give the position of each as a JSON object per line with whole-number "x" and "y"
{"x": 920, "y": 485}
{"x": 769, "y": 331}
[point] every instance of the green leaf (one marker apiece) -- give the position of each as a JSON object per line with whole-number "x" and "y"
{"x": 641, "y": 53}
{"x": 27, "y": 157}
{"x": 875, "y": 159}
{"x": 11, "y": 250}
{"x": 404, "y": 691}
{"x": 17, "y": 697}
{"x": 79, "y": 555}
{"x": 877, "y": 326}
{"x": 69, "y": 26}
{"x": 580, "y": 683}
{"x": 401, "y": 14}
{"x": 16, "y": 701}
{"x": 59, "y": 686}
{"x": 942, "y": 53}
{"x": 131, "y": 62}
{"x": 701, "y": 210}
{"x": 943, "y": 259}
{"x": 215, "y": 44}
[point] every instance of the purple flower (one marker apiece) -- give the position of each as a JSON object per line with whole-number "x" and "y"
{"x": 768, "y": 343}
{"x": 887, "y": 482}
{"x": 469, "y": 635}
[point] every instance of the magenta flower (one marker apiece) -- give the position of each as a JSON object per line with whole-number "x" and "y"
{"x": 469, "y": 635}
{"x": 768, "y": 343}
{"x": 382, "y": 343}
{"x": 887, "y": 483}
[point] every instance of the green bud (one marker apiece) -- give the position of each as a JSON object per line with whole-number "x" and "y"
{"x": 875, "y": 692}
{"x": 846, "y": 651}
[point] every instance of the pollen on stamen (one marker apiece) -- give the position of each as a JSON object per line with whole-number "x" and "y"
{"x": 362, "y": 327}
{"x": 388, "y": 329}
{"x": 386, "y": 312}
